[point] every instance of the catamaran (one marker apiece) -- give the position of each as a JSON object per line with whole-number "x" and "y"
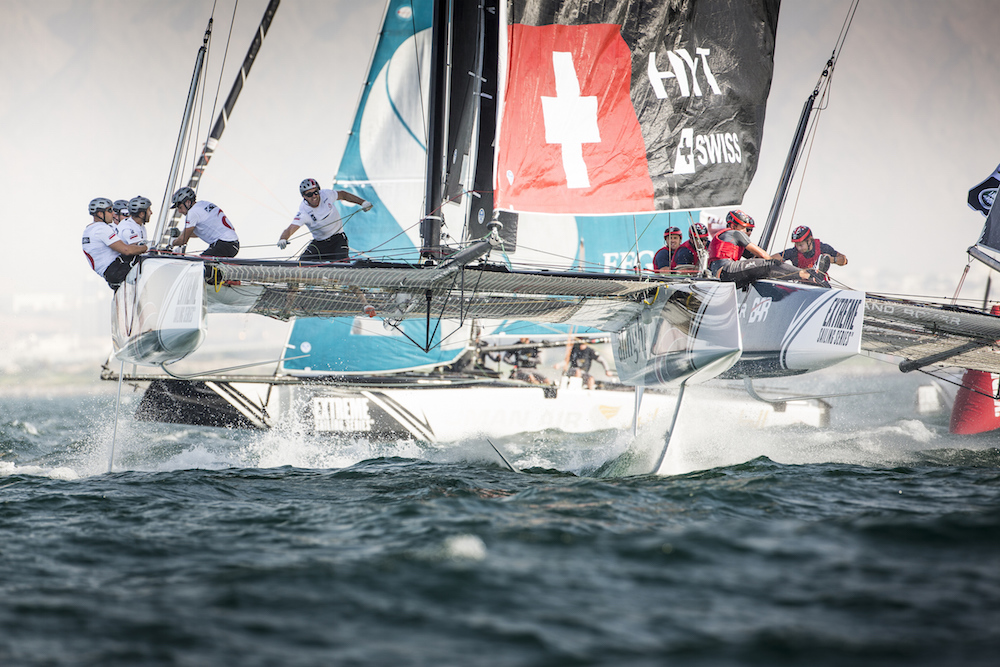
{"x": 545, "y": 130}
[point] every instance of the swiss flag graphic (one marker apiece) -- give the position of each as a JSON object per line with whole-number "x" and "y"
{"x": 569, "y": 139}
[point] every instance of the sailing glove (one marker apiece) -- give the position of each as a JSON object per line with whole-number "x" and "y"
{"x": 282, "y": 243}
{"x": 366, "y": 206}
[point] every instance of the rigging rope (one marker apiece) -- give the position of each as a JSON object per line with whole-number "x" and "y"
{"x": 218, "y": 85}
{"x": 822, "y": 91}
{"x": 954, "y": 299}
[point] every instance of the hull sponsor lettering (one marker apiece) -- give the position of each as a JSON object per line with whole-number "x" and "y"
{"x": 914, "y": 314}
{"x": 838, "y": 327}
{"x": 340, "y": 413}
{"x": 632, "y": 343}
{"x": 760, "y": 309}
{"x": 842, "y": 314}
{"x": 834, "y": 336}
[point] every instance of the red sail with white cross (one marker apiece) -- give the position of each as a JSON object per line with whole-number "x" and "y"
{"x": 623, "y": 107}
{"x": 578, "y": 146}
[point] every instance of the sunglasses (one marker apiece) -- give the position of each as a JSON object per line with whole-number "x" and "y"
{"x": 310, "y": 194}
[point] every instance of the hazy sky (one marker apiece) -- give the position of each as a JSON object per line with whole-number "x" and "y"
{"x": 93, "y": 94}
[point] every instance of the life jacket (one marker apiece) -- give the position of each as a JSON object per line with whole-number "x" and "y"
{"x": 719, "y": 249}
{"x": 804, "y": 262}
{"x": 670, "y": 255}
{"x": 689, "y": 246}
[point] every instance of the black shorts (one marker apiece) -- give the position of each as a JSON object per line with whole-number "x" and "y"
{"x": 116, "y": 272}
{"x": 745, "y": 271}
{"x": 332, "y": 249}
{"x": 222, "y": 249}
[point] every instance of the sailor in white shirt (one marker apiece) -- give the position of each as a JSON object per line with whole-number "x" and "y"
{"x": 318, "y": 212}
{"x": 109, "y": 256}
{"x": 120, "y": 211}
{"x": 206, "y": 221}
{"x": 132, "y": 229}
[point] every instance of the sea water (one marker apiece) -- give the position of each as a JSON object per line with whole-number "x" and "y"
{"x": 874, "y": 541}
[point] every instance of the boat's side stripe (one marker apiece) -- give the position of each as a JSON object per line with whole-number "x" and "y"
{"x": 418, "y": 428}
{"x": 236, "y": 398}
{"x": 800, "y": 321}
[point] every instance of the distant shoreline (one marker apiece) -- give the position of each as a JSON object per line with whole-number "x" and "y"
{"x": 97, "y": 387}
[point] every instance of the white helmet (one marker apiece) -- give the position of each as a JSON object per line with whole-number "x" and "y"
{"x": 307, "y": 184}
{"x": 99, "y": 204}
{"x": 137, "y": 204}
{"x": 181, "y": 196}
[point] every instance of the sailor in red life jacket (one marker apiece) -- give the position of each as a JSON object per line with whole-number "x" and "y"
{"x": 687, "y": 253}
{"x": 206, "y": 221}
{"x": 727, "y": 248}
{"x": 318, "y": 212}
{"x": 810, "y": 252}
{"x": 663, "y": 260}
{"x": 109, "y": 256}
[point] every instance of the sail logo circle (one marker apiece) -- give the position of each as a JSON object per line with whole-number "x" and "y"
{"x": 987, "y": 197}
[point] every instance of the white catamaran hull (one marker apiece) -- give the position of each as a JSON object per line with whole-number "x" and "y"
{"x": 791, "y": 328}
{"x": 444, "y": 414}
{"x": 158, "y": 314}
{"x": 689, "y": 333}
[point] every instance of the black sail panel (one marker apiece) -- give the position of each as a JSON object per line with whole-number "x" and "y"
{"x": 981, "y": 198}
{"x": 627, "y": 105}
{"x": 481, "y": 206}
{"x": 466, "y": 65}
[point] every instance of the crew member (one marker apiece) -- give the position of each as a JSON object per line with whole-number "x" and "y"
{"x": 109, "y": 256}
{"x": 810, "y": 252}
{"x": 687, "y": 253}
{"x": 525, "y": 360}
{"x": 119, "y": 211}
{"x": 664, "y": 257}
{"x": 580, "y": 358}
{"x": 318, "y": 212}
{"x": 728, "y": 246}
{"x": 132, "y": 229}
{"x": 206, "y": 221}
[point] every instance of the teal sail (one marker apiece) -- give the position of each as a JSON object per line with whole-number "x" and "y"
{"x": 383, "y": 162}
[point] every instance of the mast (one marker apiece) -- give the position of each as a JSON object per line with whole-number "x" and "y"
{"x": 227, "y": 109}
{"x": 465, "y": 76}
{"x": 182, "y": 137}
{"x": 787, "y": 173}
{"x": 483, "y": 217}
{"x": 430, "y": 226}
{"x": 222, "y": 121}
{"x": 820, "y": 92}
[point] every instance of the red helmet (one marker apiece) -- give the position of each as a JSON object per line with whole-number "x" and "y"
{"x": 672, "y": 230}
{"x": 738, "y": 217}
{"x": 801, "y": 233}
{"x": 699, "y": 230}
